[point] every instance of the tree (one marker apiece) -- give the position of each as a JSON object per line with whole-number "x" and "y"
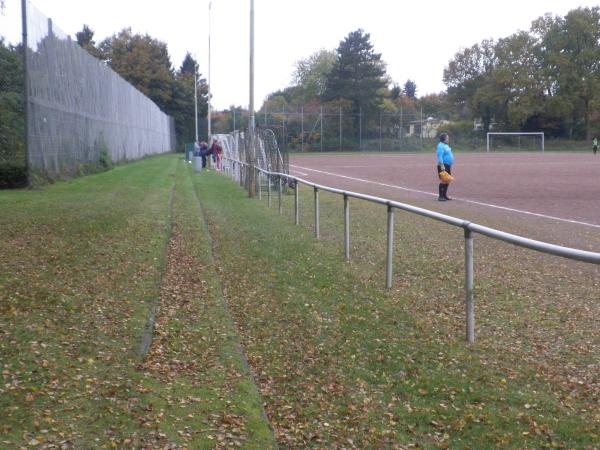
{"x": 468, "y": 80}
{"x": 395, "y": 92}
{"x": 12, "y": 115}
{"x": 410, "y": 89}
{"x": 182, "y": 106}
{"x": 85, "y": 38}
{"x": 516, "y": 80}
{"x": 189, "y": 65}
{"x": 438, "y": 105}
{"x": 358, "y": 74}
{"x": 571, "y": 53}
{"x": 311, "y": 73}
{"x": 144, "y": 62}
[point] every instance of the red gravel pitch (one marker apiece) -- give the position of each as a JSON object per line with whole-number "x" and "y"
{"x": 549, "y": 196}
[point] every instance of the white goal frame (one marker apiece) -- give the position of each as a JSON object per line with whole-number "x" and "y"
{"x": 498, "y": 133}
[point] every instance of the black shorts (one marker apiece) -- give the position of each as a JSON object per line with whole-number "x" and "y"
{"x": 448, "y": 169}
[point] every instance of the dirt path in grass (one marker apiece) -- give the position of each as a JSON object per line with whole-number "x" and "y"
{"x": 195, "y": 350}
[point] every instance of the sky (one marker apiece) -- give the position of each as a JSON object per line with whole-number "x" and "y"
{"x": 416, "y": 39}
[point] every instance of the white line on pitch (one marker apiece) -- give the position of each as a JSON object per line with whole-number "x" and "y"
{"x": 301, "y": 173}
{"x": 461, "y": 199}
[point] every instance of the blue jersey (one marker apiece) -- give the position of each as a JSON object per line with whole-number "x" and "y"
{"x": 444, "y": 154}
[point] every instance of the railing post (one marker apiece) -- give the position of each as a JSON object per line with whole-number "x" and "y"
{"x": 296, "y": 203}
{"x": 347, "y": 226}
{"x": 280, "y": 205}
{"x": 269, "y": 189}
{"x": 255, "y": 173}
{"x": 259, "y": 179}
{"x": 317, "y": 218}
{"x": 390, "y": 246}
{"x": 469, "y": 285}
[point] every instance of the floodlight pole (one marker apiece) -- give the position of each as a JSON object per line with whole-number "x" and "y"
{"x": 26, "y": 92}
{"x": 251, "y": 100}
{"x": 209, "y": 131}
{"x": 251, "y": 176}
{"x": 196, "y": 101}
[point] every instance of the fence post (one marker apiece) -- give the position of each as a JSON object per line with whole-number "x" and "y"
{"x": 257, "y": 181}
{"x": 283, "y": 135}
{"x": 469, "y": 285}
{"x": 340, "y": 127}
{"x": 421, "y": 126}
{"x": 317, "y": 218}
{"x": 269, "y": 189}
{"x": 347, "y": 226}
{"x": 401, "y": 126}
{"x": 360, "y": 128}
{"x": 280, "y": 206}
{"x": 296, "y": 203}
{"x": 390, "y": 246}
{"x": 380, "y": 134}
{"x": 302, "y": 128}
{"x": 321, "y": 127}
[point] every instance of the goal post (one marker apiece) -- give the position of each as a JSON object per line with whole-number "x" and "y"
{"x": 491, "y": 134}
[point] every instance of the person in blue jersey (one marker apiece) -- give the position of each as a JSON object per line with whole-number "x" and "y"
{"x": 445, "y": 160}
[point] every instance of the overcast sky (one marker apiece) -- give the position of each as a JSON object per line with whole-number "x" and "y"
{"x": 416, "y": 38}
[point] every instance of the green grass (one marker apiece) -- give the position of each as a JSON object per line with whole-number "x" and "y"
{"x": 82, "y": 268}
{"x": 342, "y": 362}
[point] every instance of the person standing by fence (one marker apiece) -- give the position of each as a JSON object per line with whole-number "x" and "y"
{"x": 203, "y": 153}
{"x": 218, "y": 154}
{"x": 445, "y": 160}
{"x": 595, "y": 145}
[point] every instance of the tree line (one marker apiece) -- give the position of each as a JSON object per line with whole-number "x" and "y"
{"x": 12, "y": 123}
{"x": 545, "y": 79}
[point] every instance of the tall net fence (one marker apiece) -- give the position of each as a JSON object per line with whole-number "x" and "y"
{"x": 79, "y": 111}
{"x": 316, "y": 127}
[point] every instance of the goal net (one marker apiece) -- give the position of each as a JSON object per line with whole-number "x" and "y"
{"x": 236, "y": 147}
{"x": 515, "y": 141}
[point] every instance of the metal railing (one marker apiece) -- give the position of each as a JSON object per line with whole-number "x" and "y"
{"x": 468, "y": 227}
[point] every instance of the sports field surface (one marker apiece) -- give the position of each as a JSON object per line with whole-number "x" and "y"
{"x": 554, "y": 197}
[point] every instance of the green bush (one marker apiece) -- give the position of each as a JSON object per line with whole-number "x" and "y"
{"x": 105, "y": 162}
{"x": 12, "y": 175}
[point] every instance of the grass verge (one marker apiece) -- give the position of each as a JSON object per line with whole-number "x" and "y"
{"x": 83, "y": 264}
{"x": 343, "y": 363}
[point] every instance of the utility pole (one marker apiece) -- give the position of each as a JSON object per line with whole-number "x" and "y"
{"x": 196, "y": 101}
{"x": 209, "y": 86}
{"x": 252, "y": 130}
